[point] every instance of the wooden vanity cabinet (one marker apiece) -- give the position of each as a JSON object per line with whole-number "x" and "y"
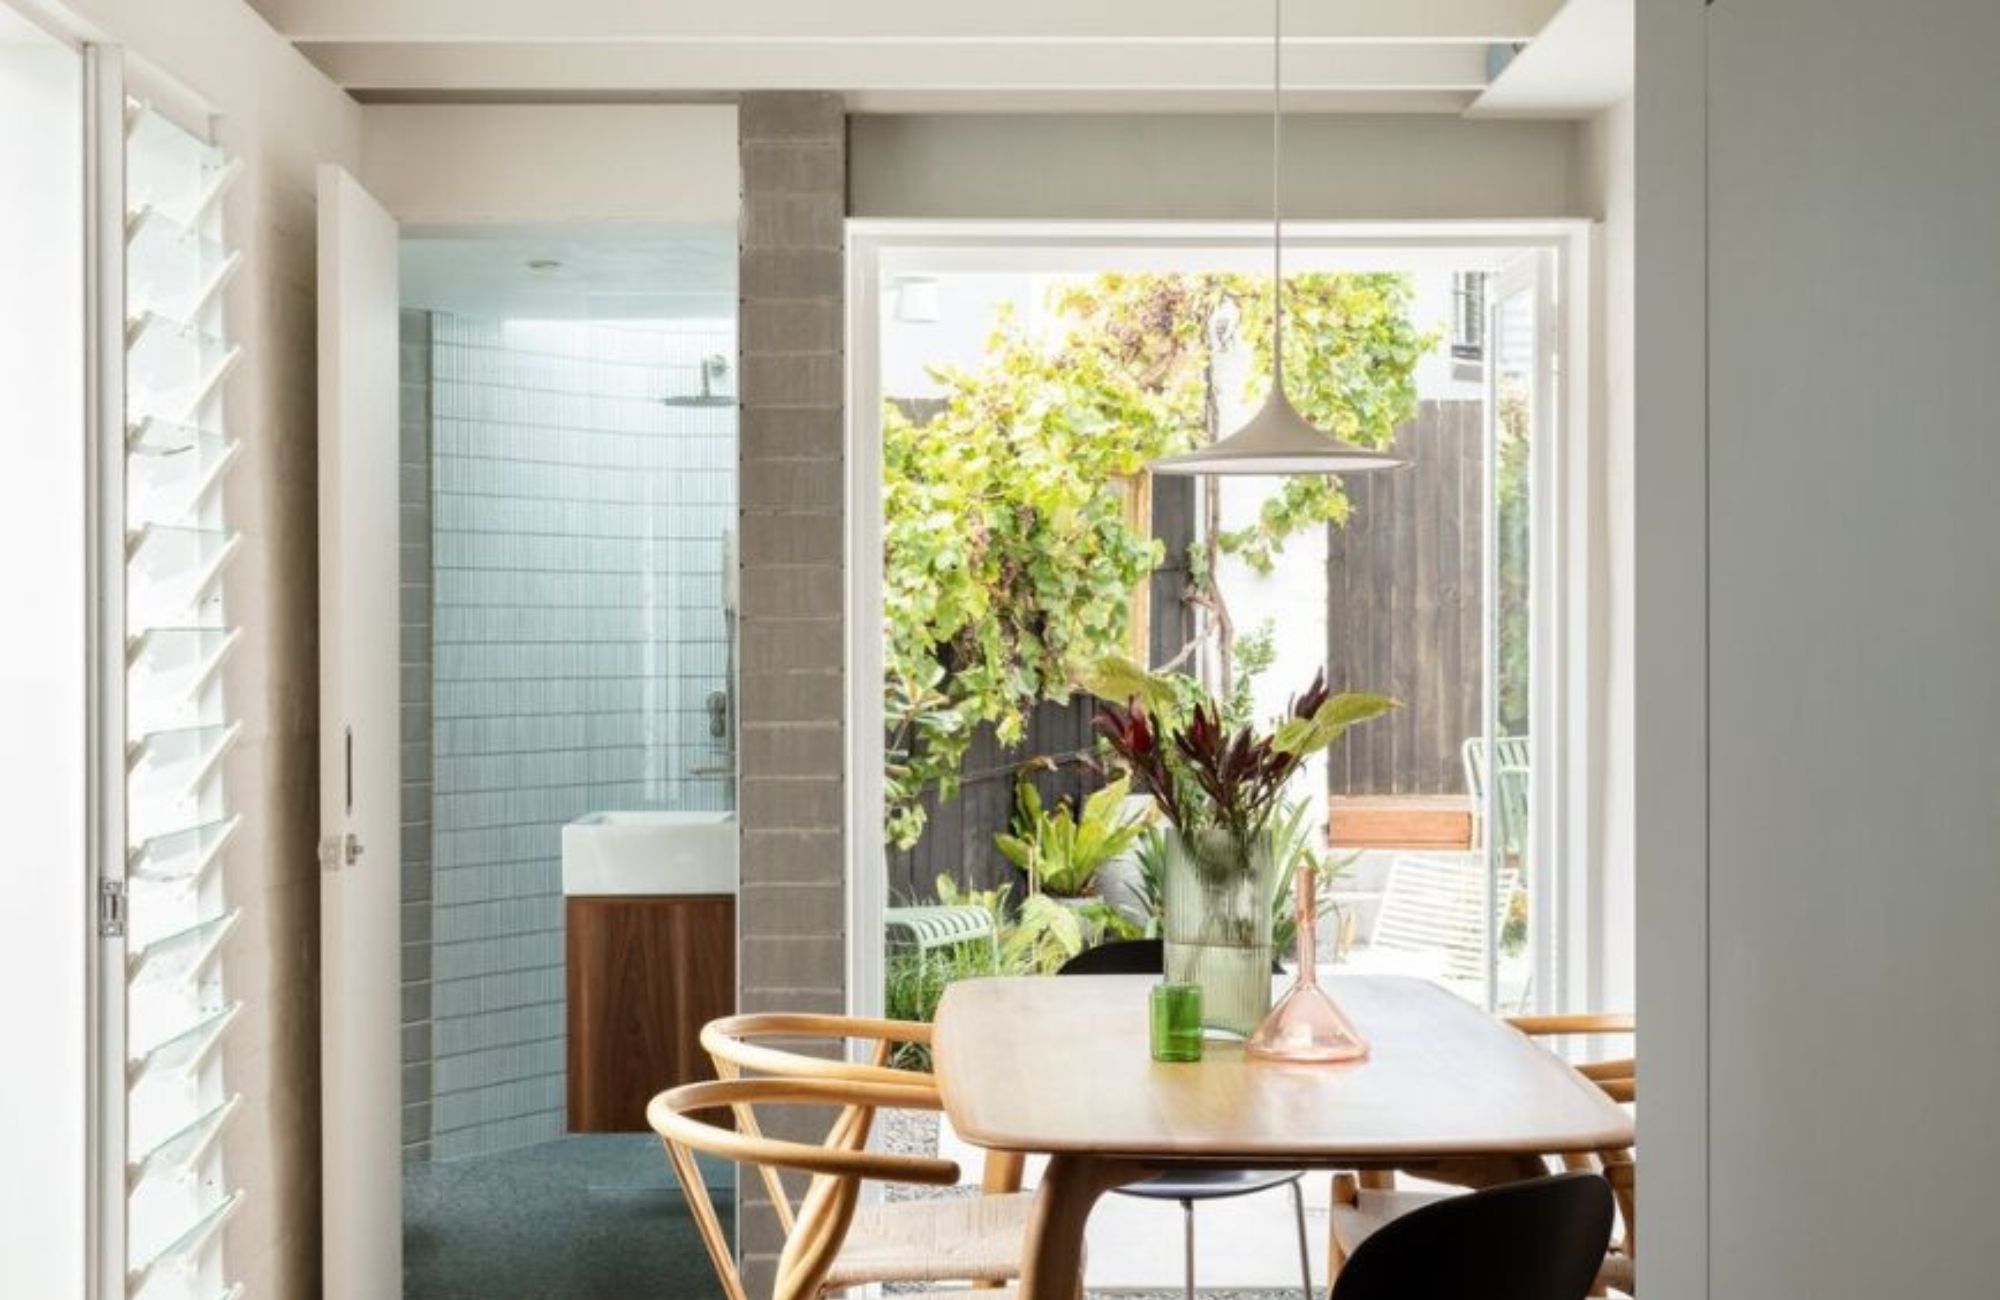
{"x": 645, "y": 973}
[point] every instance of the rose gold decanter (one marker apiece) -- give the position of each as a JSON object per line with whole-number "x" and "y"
{"x": 1306, "y": 1025}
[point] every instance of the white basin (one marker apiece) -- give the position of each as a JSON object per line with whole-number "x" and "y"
{"x": 650, "y": 853}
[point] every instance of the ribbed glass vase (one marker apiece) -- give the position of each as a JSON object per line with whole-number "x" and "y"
{"x": 1217, "y": 923}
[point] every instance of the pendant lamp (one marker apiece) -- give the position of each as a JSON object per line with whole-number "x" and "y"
{"x": 1277, "y": 440}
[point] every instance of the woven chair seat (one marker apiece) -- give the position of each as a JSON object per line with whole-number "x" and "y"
{"x": 953, "y": 1293}
{"x": 964, "y": 1239}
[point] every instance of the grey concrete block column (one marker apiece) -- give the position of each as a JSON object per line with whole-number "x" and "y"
{"x": 792, "y": 904}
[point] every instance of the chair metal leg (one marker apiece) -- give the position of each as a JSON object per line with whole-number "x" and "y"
{"x": 1305, "y": 1256}
{"x": 1187, "y": 1243}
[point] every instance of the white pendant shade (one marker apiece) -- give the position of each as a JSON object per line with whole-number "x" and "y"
{"x": 1277, "y": 440}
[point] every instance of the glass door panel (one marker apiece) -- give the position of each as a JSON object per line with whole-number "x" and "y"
{"x": 1505, "y": 767}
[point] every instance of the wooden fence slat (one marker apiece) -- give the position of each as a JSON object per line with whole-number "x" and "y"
{"x": 1404, "y": 606}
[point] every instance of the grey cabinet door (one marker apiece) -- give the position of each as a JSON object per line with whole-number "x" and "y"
{"x": 1854, "y": 645}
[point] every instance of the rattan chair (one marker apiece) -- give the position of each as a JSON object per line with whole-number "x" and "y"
{"x": 976, "y": 1239}
{"x": 1364, "y": 1204}
{"x": 819, "y": 1234}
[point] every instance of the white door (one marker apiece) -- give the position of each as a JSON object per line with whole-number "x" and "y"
{"x": 360, "y": 895}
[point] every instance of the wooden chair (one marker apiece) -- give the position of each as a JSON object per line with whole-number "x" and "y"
{"x": 976, "y": 1239}
{"x": 818, "y": 1235}
{"x": 1364, "y": 1204}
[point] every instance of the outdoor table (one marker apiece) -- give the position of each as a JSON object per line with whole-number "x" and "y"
{"x": 1061, "y": 1067}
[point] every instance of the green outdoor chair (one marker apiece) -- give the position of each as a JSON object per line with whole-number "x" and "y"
{"x": 1510, "y": 795}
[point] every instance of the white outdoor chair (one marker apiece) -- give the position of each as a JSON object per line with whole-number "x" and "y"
{"x": 1431, "y": 918}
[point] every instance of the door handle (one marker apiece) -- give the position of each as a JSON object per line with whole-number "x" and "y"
{"x": 337, "y": 851}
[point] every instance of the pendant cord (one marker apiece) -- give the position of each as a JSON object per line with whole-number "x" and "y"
{"x": 1277, "y": 207}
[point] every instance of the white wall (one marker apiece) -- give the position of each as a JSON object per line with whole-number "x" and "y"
{"x": 447, "y": 165}
{"x": 1163, "y": 167}
{"x": 43, "y": 875}
{"x": 283, "y": 118}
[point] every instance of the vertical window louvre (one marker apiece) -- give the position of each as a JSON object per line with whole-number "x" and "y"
{"x": 178, "y": 548}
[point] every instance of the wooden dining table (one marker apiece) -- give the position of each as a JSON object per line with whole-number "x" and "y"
{"x": 1061, "y": 1067}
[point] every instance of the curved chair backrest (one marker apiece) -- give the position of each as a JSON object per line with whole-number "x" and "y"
{"x": 1119, "y": 957}
{"x": 1619, "y": 1077}
{"x": 837, "y": 1165}
{"x": 1538, "y": 1240}
{"x": 737, "y": 1046}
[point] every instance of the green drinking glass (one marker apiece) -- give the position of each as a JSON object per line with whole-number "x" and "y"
{"x": 1177, "y": 1022}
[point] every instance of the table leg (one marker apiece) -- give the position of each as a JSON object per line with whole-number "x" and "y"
{"x": 1052, "y": 1266}
{"x": 1002, "y": 1172}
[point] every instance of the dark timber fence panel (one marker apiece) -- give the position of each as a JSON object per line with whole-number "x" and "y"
{"x": 958, "y": 838}
{"x": 1403, "y": 607}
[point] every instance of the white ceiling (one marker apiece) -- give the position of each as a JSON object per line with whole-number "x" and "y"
{"x": 668, "y": 274}
{"x": 936, "y": 55}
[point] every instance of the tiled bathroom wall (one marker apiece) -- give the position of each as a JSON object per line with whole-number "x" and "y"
{"x": 582, "y": 502}
{"x": 413, "y": 468}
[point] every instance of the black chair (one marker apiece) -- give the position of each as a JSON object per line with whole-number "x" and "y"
{"x": 1148, "y": 957}
{"x": 1537, "y": 1240}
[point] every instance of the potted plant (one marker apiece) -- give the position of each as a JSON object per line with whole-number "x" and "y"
{"x": 1062, "y": 851}
{"x": 1219, "y": 789}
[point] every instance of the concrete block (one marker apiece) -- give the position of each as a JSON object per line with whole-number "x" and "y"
{"x": 791, "y": 273}
{"x": 791, "y": 115}
{"x": 799, "y": 857}
{"x": 793, "y": 803}
{"x": 791, "y": 697}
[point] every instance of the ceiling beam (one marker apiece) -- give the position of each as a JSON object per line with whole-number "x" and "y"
{"x": 987, "y": 71}
{"x": 1582, "y": 62}
{"x": 842, "y": 21}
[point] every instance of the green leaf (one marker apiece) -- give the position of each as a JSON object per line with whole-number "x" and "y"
{"x": 1115, "y": 678}
{"x": 1304, "y": 737}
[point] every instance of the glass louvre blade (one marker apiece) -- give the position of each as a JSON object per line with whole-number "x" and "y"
{"x": 171, "y": 668}
{"x": 188, "y": 1243}
{"x": 183, "y": 954}
{"x": 186, "y": 1047}
{"x": 169, "y": 773}
{"x": 183, "y": 757}
{"x": 155, "y": 436}
{"x": 182, "y": 856}
{"x": 172, "y": 367}
{"x": 172, "y": 571}
{"x": 171, "y": 270}
{"x": 183, "y": 1149}
{"x": 171, "y": 169}
{"x": 172, "y": 487}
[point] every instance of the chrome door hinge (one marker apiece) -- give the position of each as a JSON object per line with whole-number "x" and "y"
{"x": 337, "y": 851}
{"x": 111, "y": 909}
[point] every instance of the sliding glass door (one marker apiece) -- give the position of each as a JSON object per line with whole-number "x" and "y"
{"x": 1510, "y": 766}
